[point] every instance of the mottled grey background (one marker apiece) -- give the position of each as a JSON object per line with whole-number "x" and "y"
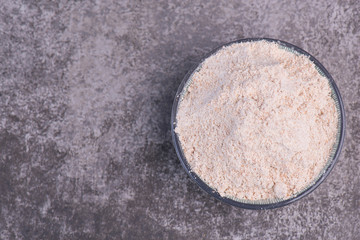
{"x": 86, "y": 89}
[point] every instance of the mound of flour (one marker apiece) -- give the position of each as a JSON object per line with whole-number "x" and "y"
{"x": 257, "y": 122}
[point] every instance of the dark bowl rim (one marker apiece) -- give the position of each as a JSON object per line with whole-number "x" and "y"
{"x": 211, "y": 191}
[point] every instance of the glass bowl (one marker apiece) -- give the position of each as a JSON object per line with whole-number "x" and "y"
{"x": 258, "y": 204}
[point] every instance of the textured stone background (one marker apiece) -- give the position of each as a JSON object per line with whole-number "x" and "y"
{"x": 86, "y": 89}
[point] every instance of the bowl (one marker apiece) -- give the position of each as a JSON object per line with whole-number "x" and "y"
{"x": 255, "y": 205}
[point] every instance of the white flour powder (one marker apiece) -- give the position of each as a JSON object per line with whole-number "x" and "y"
{"x": 257, "y": 122}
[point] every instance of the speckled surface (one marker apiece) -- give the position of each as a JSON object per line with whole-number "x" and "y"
{"x": 86, "y": 89}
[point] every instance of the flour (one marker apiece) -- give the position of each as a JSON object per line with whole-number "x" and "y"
{"x": 257, "y": 122}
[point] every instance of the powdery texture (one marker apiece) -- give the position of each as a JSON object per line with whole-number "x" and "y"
{"x": 257, "y": 122}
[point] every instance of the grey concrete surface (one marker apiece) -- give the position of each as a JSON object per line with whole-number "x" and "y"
{"x": 86, "y": 89}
